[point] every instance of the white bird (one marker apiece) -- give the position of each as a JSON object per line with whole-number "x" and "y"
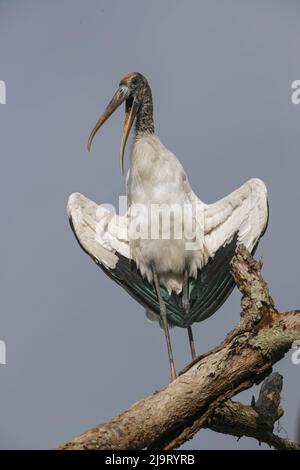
{"x": 170, "y": 251}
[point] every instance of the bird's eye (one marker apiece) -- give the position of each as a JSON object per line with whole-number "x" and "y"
{"x": 135, "y": 81}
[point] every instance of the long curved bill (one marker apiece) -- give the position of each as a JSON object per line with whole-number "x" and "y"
{"x": 130, "y": 113}
{"x": 115, "y": 102}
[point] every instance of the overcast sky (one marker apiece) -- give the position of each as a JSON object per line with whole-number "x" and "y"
{"x": 79, "y": 349}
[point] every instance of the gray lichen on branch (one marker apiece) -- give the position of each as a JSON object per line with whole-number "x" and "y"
{"x": 201, "y": 396}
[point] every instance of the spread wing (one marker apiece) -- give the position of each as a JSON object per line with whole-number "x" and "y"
{"x": 245, "y": 211}
{"x": 103, "y": 236}
{"x": 240, "y": 217}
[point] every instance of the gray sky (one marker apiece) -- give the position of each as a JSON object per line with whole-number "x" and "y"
{"x": 79, "y": 349}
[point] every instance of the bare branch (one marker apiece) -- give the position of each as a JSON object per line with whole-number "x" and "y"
{"x": 199, "y": 396}
{"x": 257, "y": 420}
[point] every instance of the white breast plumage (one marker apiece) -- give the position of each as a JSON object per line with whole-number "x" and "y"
{"x": 157, "y": 184}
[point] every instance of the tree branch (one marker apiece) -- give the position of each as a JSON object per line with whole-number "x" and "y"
{"x": 255, "y": 421}
{"x": 199, "y": 396}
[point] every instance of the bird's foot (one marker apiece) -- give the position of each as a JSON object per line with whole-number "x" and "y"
{"x": 173, "y": 374}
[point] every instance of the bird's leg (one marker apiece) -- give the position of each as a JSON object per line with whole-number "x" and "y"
{"x": 185, "y": 293}
{"x": 192, "y": 344}
{"x": 186, "y": 307}
{"x": 163, "y": 314}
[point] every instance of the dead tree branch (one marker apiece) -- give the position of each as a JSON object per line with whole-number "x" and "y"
{"x": 200, "y": 396}
{"x": 255, "y": 421}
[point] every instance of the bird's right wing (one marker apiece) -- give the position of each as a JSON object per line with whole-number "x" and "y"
{"x": 103, "y": 235}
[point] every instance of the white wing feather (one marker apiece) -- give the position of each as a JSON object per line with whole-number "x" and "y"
{"x": 101, "y": 233}
{"x": 244, "y": 211}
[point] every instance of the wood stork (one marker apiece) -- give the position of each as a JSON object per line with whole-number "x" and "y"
{"x": 180, "y": 280}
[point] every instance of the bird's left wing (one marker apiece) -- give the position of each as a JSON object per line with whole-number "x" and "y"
{"x": 240, "y": 217}
{"x": 244, "y": 211}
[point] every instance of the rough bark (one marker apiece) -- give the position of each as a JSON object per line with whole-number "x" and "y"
{"x": 200, "y": 396}
{"x": 257, "y": 420}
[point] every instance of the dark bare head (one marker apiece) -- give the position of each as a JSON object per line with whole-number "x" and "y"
{"x": 135, "y": 91}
